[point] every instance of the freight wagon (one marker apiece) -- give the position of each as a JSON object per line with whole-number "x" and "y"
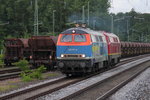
{"x": 43, "y": 51}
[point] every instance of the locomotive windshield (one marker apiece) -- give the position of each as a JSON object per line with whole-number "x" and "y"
{"x": 66, "y": 38}
{"x": 73, "y": 38}
{"x": 79, "y": 38}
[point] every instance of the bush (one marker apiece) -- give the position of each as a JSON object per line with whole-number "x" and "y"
{"x": 25, "y": 77}
{"x": 1, "y": 56}
{"x": 37, "y": 74}
{"x": 27, "y": 74}
{"x": 1, "y": 59}
{"x": 23, "y": 65}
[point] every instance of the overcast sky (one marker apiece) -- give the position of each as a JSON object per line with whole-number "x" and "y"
{"x": 142, "y": 6}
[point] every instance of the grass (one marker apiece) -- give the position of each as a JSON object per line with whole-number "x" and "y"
{"x": 14, "y": 81}
{"x": 7, "y": 87}
{"x": 12, "y": 84}
{"x": 49, "y": 75}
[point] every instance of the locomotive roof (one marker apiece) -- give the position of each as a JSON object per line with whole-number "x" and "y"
{"x": 80, "y": 30}
{"x": 110, "y": 34}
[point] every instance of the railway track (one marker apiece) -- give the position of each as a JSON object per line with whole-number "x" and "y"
{"x": 8, "y": 73}
{"x": 78, "y": 89}
{"x": 129, "y": 59}
{"x": 123, "y": 83}
{"x": 6, "y": 66}
{"x": 13, "y": 72}
{"x": 9, "y": 70}
{"x": 43, "y": 88}
{"x": 105, "y": 88}
{"x": 102, "y": 90}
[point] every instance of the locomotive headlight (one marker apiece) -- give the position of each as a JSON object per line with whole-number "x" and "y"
{"x": 83, "y": 55}
{"x": 73, "y": 31}
{"x": 62, "y": 55}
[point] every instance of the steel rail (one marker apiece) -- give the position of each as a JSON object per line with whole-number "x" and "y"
{"x": 107, "y": 79}
{"x": 9, "y": 75}
{"x": 34, "y": 88}
{"x": 116, "y": 88}
{"x": 26, "y": 90}
{"x": 9, "y": 70}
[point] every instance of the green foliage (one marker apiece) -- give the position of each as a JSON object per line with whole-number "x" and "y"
{"x": 6, "y": 87}
{"x": 20, "y": 15}
{"x": 1, "y": 59}
{"x": 23, "y": 65}
{"x": 25, "y": 77}
{"x": 26, "y": 35}
{"x": 138, "y": 26}
{"x": 41, "y": 69}
{"x": 1, "y": 45}
{"x": 9, "y": 36}
{"x": 50, "y": 75}
{"x": 1, "y": 56}
{"x": 27, "y": 74}
{"x": 37, "y": 74}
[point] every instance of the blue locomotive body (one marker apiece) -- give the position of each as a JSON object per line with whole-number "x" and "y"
{"x": 83, "y": 51}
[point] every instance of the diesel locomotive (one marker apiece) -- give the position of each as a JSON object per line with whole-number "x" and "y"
{"x": 82, "y": 50}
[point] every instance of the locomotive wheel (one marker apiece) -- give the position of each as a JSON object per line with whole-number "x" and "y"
{"x": 118, "y": 60}
{"x": 106, "y": 64}
{"x": 94, "y": 68}
{"x": 68, "y": 75}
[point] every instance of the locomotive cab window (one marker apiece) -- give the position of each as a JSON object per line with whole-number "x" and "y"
{"x": 66, "y": 38}
{"x": 115, "y": 40}
{"x": 93, "y": 38}
{"x": 97, "y": 39}
{"x": 79, "y": 38}
{"x": 100, "y": 38}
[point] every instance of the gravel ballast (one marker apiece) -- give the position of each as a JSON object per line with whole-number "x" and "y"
{"x": 20, "y": 85}
{"x": 138, "y": 89}
{"x": 83, "y": 84}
